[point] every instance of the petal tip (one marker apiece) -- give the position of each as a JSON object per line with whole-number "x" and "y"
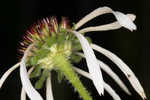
{"x": 0, "y": 85}
{"x": 143, "y": 95}
{"x": 125, "y": 20}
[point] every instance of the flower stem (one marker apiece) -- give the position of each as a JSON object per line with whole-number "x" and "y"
{"x": 64, "y": 66}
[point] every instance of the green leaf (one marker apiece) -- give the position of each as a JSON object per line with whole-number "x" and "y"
{"x": 40, "y": 82}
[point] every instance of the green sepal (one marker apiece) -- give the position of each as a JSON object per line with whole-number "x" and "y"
{"x": 43, "y": 77}
{"x": 38, "y": 44}
{"x": 60, "y": 76}
{"x": 61, "y": 38}
{"x": 50, "y": 41}
{"x": 89, "y": 39}
{"x": 73, "y": 26}
{"x": 62, "y": 30}
{"x": 75, "y": 58}
{"x": 71, "y": 36}
{"x": 76, "y": 45}
{"x": 36, "y": 72}
{"x": 41, "y": 53}
{"x": 33, "y": 60}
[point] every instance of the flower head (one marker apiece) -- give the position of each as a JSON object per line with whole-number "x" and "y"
{"x": 48, "y": 46}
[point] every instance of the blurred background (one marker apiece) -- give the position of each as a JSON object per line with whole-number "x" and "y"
{"x": 133, "y": 47}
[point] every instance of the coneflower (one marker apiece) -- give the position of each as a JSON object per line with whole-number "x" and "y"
{"x": 48, "y": 46}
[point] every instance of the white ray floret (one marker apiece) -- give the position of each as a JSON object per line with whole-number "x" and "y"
{"x": 7, "y": 73}
{"x": 123, "y": 19}
{"x": 113, "y": 75}
{"x": 97, "y": 12}
{"x": 92, "y": 63}
{"x": 49, "y": 93}
{"x": 29, "y": 89}
{"x": 106, "y": 27}
{"x": 124, "y": 68}
{"x": 23, "y": 93}
{"x": 108, "y": 88}
{"x": 111, "y": 92}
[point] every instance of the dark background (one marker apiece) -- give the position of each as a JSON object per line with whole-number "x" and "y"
{"x": 133, "y": 47}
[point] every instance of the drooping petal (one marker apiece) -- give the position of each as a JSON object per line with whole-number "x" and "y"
{"x": 124, "y": 20}
{"x": 31, "y": 92}
{"x": 106, "y": 27}
{"x": 7, "y": 73}
{"x": 49, "y": 93}
{"x": 92, "y": 63}
{"x": 111, "y": 92}
{"x": 23, "y": 93}
{"x": 97, "y": 12}
{"x": 124, "y": 68}
{"x": 113, "y": 75}
{"x": 108, "y": 88}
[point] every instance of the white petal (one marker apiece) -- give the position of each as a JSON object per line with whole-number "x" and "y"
{"x": 106, "y": 27}
{"x": 49, "y": 93}
{"x": 114, "y": 76}
{"x": 124, "y": 68}
{"x": 7, "y": 73}
{"x": 124, "y": 20}
{"x": 92, "y": 62}
{"x": 97, "y": 12}
{"x": 106, "y": 86}
{"x": 31, "y": 92}
{"x": 23, "y": 93}
{"x": 111, "y": 92}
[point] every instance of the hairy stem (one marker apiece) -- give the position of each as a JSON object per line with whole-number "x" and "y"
{"x": 63, "y": 65}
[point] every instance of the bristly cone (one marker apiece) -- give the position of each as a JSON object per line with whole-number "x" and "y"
{"x": 41, "y": 30}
